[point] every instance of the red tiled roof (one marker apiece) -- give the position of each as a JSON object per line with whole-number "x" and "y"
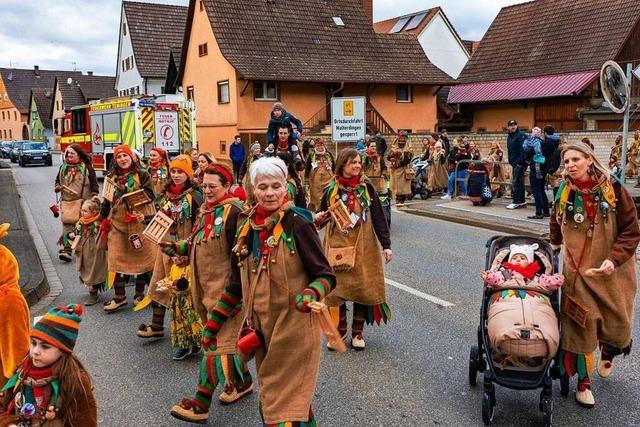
{"x": 297, "y": 40}
{"x": 386, "y": 25}
{"x": 527, "y": 88}
{"x": 549, "y": 37}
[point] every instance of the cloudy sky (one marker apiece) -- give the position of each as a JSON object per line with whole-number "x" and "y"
{"x": 82, "y": 34}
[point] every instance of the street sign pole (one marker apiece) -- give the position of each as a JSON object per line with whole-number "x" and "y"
{"x": 625, "y": 126}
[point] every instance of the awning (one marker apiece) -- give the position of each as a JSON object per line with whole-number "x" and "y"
{"x": 528, "y": 88}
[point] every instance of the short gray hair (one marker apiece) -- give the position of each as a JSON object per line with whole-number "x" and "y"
{"x": 272, "y": 167}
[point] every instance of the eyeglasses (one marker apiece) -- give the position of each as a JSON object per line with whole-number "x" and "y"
{"x": 209, "y": 186}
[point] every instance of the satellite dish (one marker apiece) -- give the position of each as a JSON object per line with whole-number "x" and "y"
{"x": 69, "y": 81}
{"x": 614, "y": 86}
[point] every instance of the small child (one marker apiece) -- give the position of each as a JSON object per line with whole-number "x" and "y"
{"x": 174, "y": 292}
{"x": 615, "y": 167}
{"x": 91, "y": 259}
{"x": 535, "y": 143}
{"x": 51, "y": 386}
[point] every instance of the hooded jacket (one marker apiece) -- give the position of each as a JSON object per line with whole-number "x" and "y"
{"x": 515, "y": 141}
{"x": 287, "y": 119}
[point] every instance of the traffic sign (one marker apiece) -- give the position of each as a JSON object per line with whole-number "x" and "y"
{"x": 348, "y": 122}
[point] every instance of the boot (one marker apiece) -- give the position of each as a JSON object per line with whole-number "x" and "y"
{"x": 185, "y": 412}
{"x": 584, "y": 396}
{"x": 234, "y": 393}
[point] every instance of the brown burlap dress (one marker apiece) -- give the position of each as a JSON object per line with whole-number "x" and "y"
{"x": 159, "y": 179}
{"x": 609, "y": 299}
{"x": 288, "y": 363}
{"x": 373, "y": 167}
{"x": 123, "y": 258}
{"x": 75, "y": 186}
{"x": 438, "y": 176}
{"x": 400, "y": 159}
{"x": 319, "y": 177}
{"x": 91, "y": 261}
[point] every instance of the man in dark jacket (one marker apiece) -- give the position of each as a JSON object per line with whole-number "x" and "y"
{"x": 280, "y": 116}
{"x": 444, "y": 138}
{"x": 237, "y": 156}
{"x": 381, "y": 144}
{"x": 515, "y": 139}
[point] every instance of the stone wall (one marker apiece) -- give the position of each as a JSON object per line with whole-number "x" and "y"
{"x": 602, "y": 141}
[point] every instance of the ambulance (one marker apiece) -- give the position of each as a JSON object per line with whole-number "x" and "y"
{"x": 142, "y": 123}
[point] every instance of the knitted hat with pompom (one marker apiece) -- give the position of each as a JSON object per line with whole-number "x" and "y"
{"x": 59, "y": 327}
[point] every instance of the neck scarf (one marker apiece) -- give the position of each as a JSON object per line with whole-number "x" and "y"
{"x": 176, "y": 190}
{"x": 349, "y": 183}
{"x": 528, "y": 272}
{"x": 209, "y": 205}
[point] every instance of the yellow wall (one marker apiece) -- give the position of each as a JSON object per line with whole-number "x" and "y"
{"x": 494, "y": 117}
{"x": 419, "y": 115}
{"x": 57, "y": 113}
{"x": 11, "y": 125}
{"x": 203, "y": 73}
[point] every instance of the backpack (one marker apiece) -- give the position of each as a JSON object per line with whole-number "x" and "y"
{"x": 551, "y": 155}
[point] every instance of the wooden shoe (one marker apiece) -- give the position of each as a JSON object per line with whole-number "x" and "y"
{"x": 234, "y": 394}
{"x": 585, "y": 398}
{"x": 605, "y": 368}
{"x": 357, "y": 343}
{"x": 65, "y": 256}
{"x": 330, "y": 347}
{"x": 187, "y": 414}
{"x": 147, "y": 331}
{"x": 113, "y": 305}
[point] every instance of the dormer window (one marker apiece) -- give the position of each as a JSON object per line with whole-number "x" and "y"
{"x": 338, "y": 21}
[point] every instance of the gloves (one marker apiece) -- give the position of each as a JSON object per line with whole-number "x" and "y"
{"x": 105, "y": 226}
{"x": 303, "y": 300}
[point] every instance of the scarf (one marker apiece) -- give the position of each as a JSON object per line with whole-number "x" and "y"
{"x": 37, "y": 386}
{"x": 283, "y": 145}
{"x": 528, "y": 272}
{"x": 176, "y": 190}
{"x": 90, "y": 220}
{"x": 210, "y": 205}
{"x": 349, "y": 183}
{"x": 207, "y": 221}
{"x": 157, "y": 164}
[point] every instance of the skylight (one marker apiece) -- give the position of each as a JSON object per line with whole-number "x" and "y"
{"x": 400, "y": 24}
{"x": 415, "y": 21}
{"x": 338, "y": 21}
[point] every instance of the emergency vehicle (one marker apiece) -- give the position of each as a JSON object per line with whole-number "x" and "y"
{"x": 165, "y": 121}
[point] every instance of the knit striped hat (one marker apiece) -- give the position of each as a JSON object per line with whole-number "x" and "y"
{"x": 59, "y": 327}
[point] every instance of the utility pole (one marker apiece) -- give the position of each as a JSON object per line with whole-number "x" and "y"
{"x": 625, "y": 126}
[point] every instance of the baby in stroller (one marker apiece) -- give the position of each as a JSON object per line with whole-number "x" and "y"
{"x": 522, "y": 325}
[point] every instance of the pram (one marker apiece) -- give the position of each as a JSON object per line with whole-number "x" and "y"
{"x": 481, "y": 357}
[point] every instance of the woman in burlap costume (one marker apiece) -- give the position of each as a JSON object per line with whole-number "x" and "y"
{"x": 210, "y": 251}
{"x": 277, "y": 270}
{"x": 159, "y": 170}
{"x": 400, "y": 158}
{"x": 362, "y": 283}
{"x": 438, "y": 176}
{"x": 320, "y": 165}
{"x": 596, "y": 220}
{"x": 123, "y": 227}
{"x": 76, "y": 181}
{"x": 374, "y": 168}
{"x": 180, "y": 201}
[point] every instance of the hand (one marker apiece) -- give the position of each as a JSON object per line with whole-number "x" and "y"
{"x": 607, "y": 268}
{"x": 388, "y": 255}
{"x": 308, "y": 296}
{"x": 321, "y": 218}
{"x": 483, "y": 275}
{"x": 57, "y": 188}
{"x": 139, "y": 216}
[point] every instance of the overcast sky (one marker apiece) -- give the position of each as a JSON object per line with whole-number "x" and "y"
{"x": 83, "y": 34}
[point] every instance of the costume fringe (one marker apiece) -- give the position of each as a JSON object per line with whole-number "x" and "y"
{"x": 377, "y": 313}
{"x": 571, "y": 364}
{"x": 310, "y": 423}
{"x": 224, "y": 368}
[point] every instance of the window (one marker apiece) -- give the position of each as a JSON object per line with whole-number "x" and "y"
{"x": 400, "y": 25}
{"x": 15, "y": 116}
{"x": 190, "y": 94}
{"x": 223, "y": 92}
{"x": 123, "y": 69}
{"x": 403, "y": 93}
{"x": 162, "y": 89}
{"x": 79, "y": 123}
{"x": 55, "y": 126}
{"x": 3, "y": 115}
{"x": 202, "y": 49}
{"x": 10, "y": 134}
{"x": 338, "y": 21}
{"x": 201, "y": 5}
{"x": 265, "y": 91}
{"x": 58, "y": 105}
{"x": 124, "y": 28}
{"x": 5, "y": 133}
{"x": 223, "y": 147}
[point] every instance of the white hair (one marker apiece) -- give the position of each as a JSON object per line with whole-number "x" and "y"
{"x": 271, "y": 167}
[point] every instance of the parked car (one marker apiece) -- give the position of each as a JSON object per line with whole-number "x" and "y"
{"x": 34, "y": 152}
{"x": 5, "y": 148}
{"x": 14, "y": 153}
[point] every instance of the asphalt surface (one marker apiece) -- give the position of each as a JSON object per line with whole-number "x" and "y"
{"x": 412, "y": 373}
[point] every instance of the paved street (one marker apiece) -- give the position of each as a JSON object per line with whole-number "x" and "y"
{"x": 413, "y": 372}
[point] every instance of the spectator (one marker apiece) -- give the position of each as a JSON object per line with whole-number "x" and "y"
{"x": 281, "y": 117}
{"x": 237, "y": 155}
{"x": 381, "y": 144}
{"x": 551, "y": 152}
{"x": 193, "y": 155}
{"x": 532, "y": 153}
{"x": 426, "y": 148}
{"x": 496, "y": 171}
{"x": 586, "y": 140}
{"x": 360, "y": 145}
{"x": 616, "y": 150}
{"x": 515, "y": 139}
{"x": 254, "y": 154}
{"x": 615, "y": 167}
{"x": 458, "y": 154}
{"x": 473, "y": 150}
{"x": 446, "y": 145}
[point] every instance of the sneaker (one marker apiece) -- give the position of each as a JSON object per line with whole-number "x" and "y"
{"x": 535, "y": 217}
{"x": 195, "y": 350}
{"x": 114, "y": 305}
{"x": 512, "y": 206}
{"x": 92, "y": 299}
{"x": 185, "y": 412}
{"x": 546, "y": 215}
{"x": 147, "y": 331}
{"x": 233, "y": 394}
{"x": 605, "y": 368}
{"x": 181, "y": 353}
{"x": 399, "y": 204}
{"x": 446, "y": 197}
{"x": 357, "y": 343}
{"x": 521, "y": 205}
{"x": 330, "y": 347}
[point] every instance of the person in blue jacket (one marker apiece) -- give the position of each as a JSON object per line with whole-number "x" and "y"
{"x": 237, "y": 155}
{"x": 515, "y": 140}
{"x": 280, "y": 116}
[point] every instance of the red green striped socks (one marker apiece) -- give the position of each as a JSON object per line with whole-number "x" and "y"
{"x": 216, "y": 318}
{"x": 321, "y": 287}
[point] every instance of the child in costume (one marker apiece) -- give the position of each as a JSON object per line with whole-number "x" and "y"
{"x": 521, "y": 293}
{"x": 51, "y": 387}
{"x": 174, "y": 293}
{"x": 91, "y": 259}
{"x": 14, "y": 314}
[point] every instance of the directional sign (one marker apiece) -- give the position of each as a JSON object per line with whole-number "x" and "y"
{"x": 348, "y": 122}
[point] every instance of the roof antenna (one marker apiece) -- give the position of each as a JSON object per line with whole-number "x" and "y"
{"x": 74, "y": 65}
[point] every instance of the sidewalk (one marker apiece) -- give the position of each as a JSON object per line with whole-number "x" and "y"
{"x": 32, "y": 278}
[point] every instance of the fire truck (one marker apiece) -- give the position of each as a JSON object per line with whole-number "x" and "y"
{"x": 165, "y": 121}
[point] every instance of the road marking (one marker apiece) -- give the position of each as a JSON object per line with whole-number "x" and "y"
{"x": 430, "y": 298}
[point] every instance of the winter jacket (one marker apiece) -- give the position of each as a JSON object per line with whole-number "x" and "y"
{"x": 514, "y": 146}
{"x": 286, "y": 119}
{"x": 381, "y": 145}
{"x": 530, "y": 148}
{"x": 551, "y": 152}
{"x": 237, "y": 153}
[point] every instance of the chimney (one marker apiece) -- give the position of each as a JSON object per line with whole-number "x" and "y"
{"x": 89, "y": 73}
{"x": 36, "y": 70}
{"x": 367, "y": 5}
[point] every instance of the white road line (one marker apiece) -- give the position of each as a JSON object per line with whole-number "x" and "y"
{"x": 430, "y": 298}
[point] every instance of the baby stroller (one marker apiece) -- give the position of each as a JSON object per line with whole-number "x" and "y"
{"x": 481, "y": 355}
{"x": 419, "y": 181}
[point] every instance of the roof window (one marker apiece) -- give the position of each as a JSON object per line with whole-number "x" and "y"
{"x": 416, "y": 20}
{"x": 338, "y": 21}
{"x": 400, "y": 24}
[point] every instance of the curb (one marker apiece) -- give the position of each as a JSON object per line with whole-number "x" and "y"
{"x": 502, "y": 228}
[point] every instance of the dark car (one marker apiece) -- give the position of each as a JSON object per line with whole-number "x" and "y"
{"x": 15, "y": 151}
{"x": 5, "y": 148}
{"x": 32, "y": 152}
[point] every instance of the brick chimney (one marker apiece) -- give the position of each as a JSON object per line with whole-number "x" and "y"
{"x": 89, "y": 73}
{"x": 367, "y": 5}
